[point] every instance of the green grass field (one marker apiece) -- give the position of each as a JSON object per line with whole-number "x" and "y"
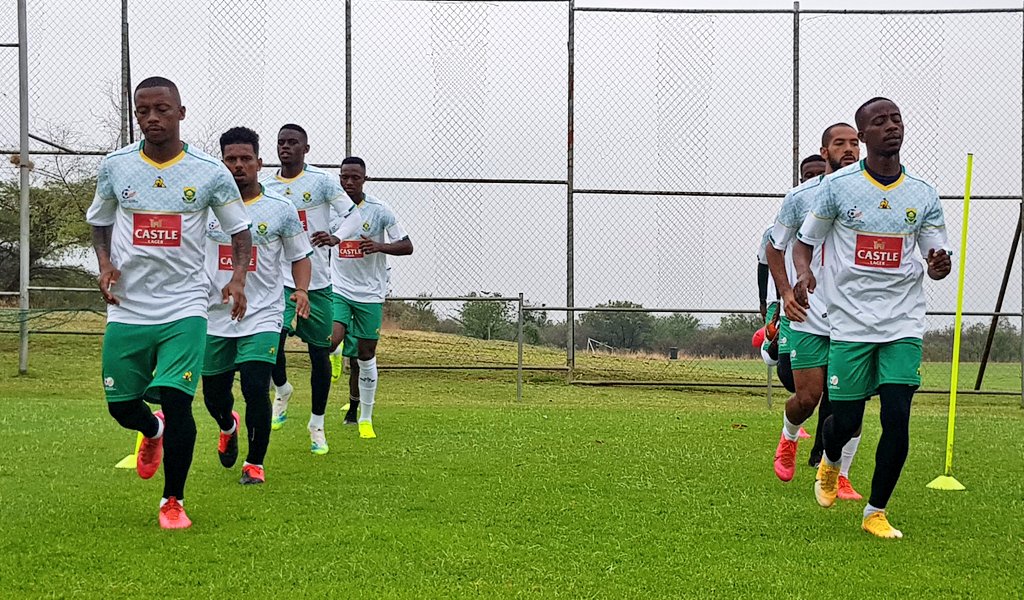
{"x": 575, "y": 492}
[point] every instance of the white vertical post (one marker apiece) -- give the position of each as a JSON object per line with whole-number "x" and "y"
{"x": 24, "y": 166}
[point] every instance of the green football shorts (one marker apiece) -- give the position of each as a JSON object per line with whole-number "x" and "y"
{"x": 139, "y": 359}
{"x": 856, "y": 369}
{"x": 224, "y": 354}
{"x": 316, "y": 330}
{"x": 362, "y": 320}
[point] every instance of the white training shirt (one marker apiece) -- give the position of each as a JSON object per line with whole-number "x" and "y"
{"x": 795, "y": 206}
{"x": 277, "y": 239}
{"x": 318, "y": 197}
{"x": 159, "y": 214}
{"x": 873, "y": 283}
{"x": 762, "y": 259}
{"x": 358, "y": 277}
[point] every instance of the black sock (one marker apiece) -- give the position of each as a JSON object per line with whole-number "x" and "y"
{"x": 840, "y": 426}
{"x": 824, "y": 410}
{"x": 320, "y": 377}
{"x": 255, "y": 389}
{"x": 179, "y": 440}
{"x": 280, "y": 372}
{"x": 136, "y": 415}
{"x": 894, "y": 444}
{"x": 218, "y": 398}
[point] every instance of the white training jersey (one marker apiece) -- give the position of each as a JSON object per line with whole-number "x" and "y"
{"x": 159, "y": 214}
{"x": 359, "y": 277}
{"x": 873, "y": 283}
{"x": 795, "y": 206}
{"x": 762, "y": 259}
{"x": 318, "y": 197}
{"x": 277, "y": 239}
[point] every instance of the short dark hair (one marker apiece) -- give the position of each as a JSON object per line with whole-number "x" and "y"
{"x": 158, "y": 82}
{"x": 810, "y": 159}
{"x": 858, "y": 117}
{"x": 294, "y": 127}
{"x": 354, "y": 160}
{"x": 240, "y": 135}
{"x": 826, "y": 136}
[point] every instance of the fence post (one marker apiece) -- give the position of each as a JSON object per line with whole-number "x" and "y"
{"x": 796, "y": 94}
{"x": 127, "y": 134}
{"x": 519, "y": 360}
{"x": 1021, "y": 233}
{"x": 24, "y": 166}
{"x": 570, "y": 292}
{"x": 348, "y": 77}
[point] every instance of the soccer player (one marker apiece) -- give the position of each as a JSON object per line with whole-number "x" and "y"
{"x": 319, "y": 200}
{"x": 359, "y": 275}
{"x": 148, "y": 230}
{"x": 250, "y": 346}
{"x": 872, "y": 216}
{"x": 804, "y": 334}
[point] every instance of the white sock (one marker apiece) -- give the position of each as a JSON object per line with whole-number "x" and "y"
{"x": 791, "y": 431}
{"x": 283, "y": 390}
{"x": 246, "y": 463}
{"x": 337, "y": 351}
{"x": 367, "y": 388}
{"x": 234, "y": 426}
{"x": 870, "y": 510}
{"x": 159, "y": 430}
{"x": 164, "y": 501}
{"x": 316, "y": 421}
{"x": 849, "y": 450}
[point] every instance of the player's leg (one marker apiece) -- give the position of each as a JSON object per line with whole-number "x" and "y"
{"x": 282, "y": 389}
{"x": 218, "y": 379}
{"x": 129, "y": 356}
{"x": 899, "y": 363}
{"x": 351, "y": 353}
{"x": 808, "y": 355}
{"x": 256, "y": 360}
{"x": 367, "y": 319}
{"x": 317, "y": 332}
{"x": 824, "y": 410}
{"x": 180, "y": 353}
{"x": 784, "y": 370}
{"x": 845, "y": 489}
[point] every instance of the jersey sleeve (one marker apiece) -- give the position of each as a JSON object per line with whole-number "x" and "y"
{"x": 932, "y": 234}
{"x": 762, "y": 248}
{"x": 787, "y": 224}
{"x": 293, "y": 239}
{"x": 393, "y": 228}
{"x": 818, "y": 221}
{"x": 350, "y": 224}
{"x": 103, "y": 209}
{"x": 226, "y": 204}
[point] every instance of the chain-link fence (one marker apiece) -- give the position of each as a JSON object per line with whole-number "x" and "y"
{"x": 580, "y": 155}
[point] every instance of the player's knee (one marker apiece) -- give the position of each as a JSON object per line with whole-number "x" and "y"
{"x": 367, "y": 349}
{"x": 808, "y": 398}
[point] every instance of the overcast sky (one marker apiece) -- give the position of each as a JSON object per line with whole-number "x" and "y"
{"x": 478, "y": 90}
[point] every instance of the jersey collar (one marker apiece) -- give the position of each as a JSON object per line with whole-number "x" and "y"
{"x": 873, "y": 181}
{"x": 256, "y": 199}
{"x": 163, "y": 165}
{"x": 290, "y": 179}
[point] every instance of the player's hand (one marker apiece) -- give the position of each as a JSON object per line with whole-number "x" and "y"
{"x": 794, "y": 310}
{"x": 108, "y": 279}
{"x": 805, "y": 285}
{"x": 234, "y": 291}
{"x": 321, "y": 238}
{"x": 369, "y": 246}
{"x": 301, "y": 300}
{"x": 939, "y": 264}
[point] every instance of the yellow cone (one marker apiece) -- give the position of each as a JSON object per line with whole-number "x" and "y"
{"x": 128, "y": 462}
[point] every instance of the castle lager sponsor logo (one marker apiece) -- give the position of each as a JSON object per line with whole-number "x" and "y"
{"x": 156, "y": 230}
{"x": 349, "y": 249}
{"x": 224, "y": 262}
{"x": 302, "y": 217}
{"x": 879, "y": 252}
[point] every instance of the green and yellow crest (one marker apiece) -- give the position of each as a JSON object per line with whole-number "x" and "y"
{"x": 911, "y": 216}
{"x": 366, "y": 226}
{"x": 188, "y": 195}
{"x": 262, "y": 228}
{"x": 307, "y": 197}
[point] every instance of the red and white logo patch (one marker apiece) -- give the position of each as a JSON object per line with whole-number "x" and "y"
{"x": 302, "y": 217}
{"x": 349, "y": 249}
{"x": 224, "y": 262}
{"x": 879, "y": 252}
{"x": 156, "y": 230}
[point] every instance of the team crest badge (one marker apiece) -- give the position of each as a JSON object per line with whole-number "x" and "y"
{"x": 884, "y": 204}
{"x": 188, "y": 195}
{"x": 159, "y": 183}
{"x": 187, "y": 376}
{"x": 307, "y": 197}
{"x": 911, "y": 216}
{"x": 262, "y": 228}
{"x": 366, "y": 226}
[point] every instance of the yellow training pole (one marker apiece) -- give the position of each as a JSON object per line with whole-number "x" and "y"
{"x": 946, "y": 481}
{"x": 128, "y": 462}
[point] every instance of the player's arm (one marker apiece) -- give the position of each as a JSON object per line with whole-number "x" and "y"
{"x": 101, "y": 215}
{"x": 932, "y": 242}
{"x": 783, "y": 233}
{"x": 298, "y": 250}
{"x": 815, "y": 227}
{"x": 762, "y": 288}
{"x": 401, "y": 244}
{"x": 347, "y": 228}
{"x": 229, "y": 209}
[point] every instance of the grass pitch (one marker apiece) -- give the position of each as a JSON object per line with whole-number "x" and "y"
{"x": 576, "y": 492}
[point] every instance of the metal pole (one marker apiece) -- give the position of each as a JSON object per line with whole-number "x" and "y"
{"x": 1021, "y": 218}
{"x": 24, "y": 166}
{"x": 769, "y": 387}
{"x": 348, "y": 77}
{"x": 796, "y": 94}
{"x": 519, "y": 363}
{"x": 570, "y": 292}
{"x": 999, "y": 305}
{"x": 126, "y": 82}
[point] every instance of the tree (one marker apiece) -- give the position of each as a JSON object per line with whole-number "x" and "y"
{"x": 740, "y": 323}
{"x": 625, "y": 330}
{"x": 487, "y": 320}
{"x": 415, "y": 314}
{"x": 674, "y": 331}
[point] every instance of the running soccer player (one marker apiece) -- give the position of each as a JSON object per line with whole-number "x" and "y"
{"x": 250, "y": 346}
{"x": 148, "y": 230}
{"x": 804, "y": 335}
{"x": 359, "y": 275}
{"x": 319, "y": 200}
{"x": 872, "y": 215}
